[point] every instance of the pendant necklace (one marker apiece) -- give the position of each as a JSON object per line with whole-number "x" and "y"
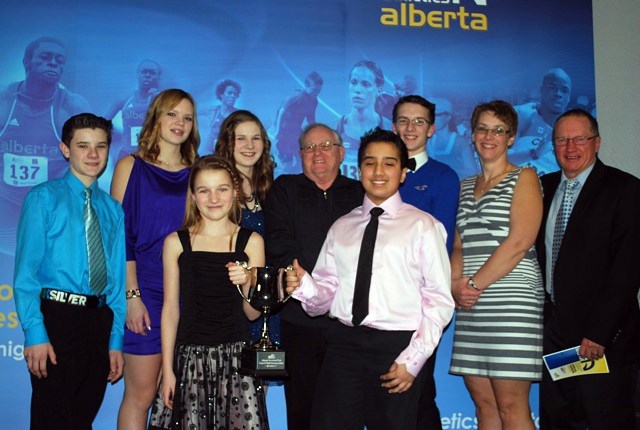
{"x": 170, "y": 167}
{"x": 253, "y": 198}
{"x": 488, "y": 182}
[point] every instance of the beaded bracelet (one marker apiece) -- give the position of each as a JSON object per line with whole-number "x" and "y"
{"x": 133, "y": 293}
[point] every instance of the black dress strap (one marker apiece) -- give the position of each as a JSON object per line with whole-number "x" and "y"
{"x": 243, "y": 239}
{"x": 185, "y": 239}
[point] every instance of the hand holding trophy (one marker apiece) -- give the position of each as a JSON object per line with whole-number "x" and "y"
{"x": 263, "y": 358}
{"x": 293, "y": 275}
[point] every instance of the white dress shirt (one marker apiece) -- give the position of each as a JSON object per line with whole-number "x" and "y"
{"x": 411, "y": 279}
{"x": 421, "y": 159}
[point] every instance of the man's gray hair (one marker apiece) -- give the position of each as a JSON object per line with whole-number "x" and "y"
{"x": 310, "y": 127}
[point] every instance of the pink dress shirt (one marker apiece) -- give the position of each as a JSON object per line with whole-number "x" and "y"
{"x": 410, "y": 283}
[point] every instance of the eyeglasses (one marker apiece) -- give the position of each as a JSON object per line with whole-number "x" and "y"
{"x": 418, "y": 122}
{"x": 324, "y": 146}
{"x": 578, "y": 140}
{"x": 496, "y": 131}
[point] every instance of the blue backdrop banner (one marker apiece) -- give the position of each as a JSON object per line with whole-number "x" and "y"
{"x": 291, "y": 62}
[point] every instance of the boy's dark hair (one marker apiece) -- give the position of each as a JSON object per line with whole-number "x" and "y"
{"x": 85, "y": 120}
{"x": 380, "y": 135}
{"x": 419, "y": 100}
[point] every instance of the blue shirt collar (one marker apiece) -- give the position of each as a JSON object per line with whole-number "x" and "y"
{"x": 76, "y": 184}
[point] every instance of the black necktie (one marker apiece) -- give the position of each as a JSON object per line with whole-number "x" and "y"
{"x": 360, "y": 307}
{"x": 412, "y": 164}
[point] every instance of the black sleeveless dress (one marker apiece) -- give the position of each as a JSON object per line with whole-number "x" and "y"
{"x": 209, "y": 392}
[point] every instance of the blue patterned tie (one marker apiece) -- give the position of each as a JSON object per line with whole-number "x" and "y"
{"x": 561, "y": 223}
{"x": 95, "y": 252}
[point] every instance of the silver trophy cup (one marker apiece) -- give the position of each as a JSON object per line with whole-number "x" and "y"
{"x": 263, "y": 358}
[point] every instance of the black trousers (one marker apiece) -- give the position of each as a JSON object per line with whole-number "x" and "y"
{"x": 349, "y": 395}
{"x": 596, "y": 402}
{"x": 71, "y": 395}
{"x": 428, "y": 412}
{"x": 306, "y": 348}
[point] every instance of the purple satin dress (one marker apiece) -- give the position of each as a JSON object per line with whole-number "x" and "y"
{"x": 154, "y": 204}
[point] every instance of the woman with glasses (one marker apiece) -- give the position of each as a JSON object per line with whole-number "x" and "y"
{"x": 496, "y": 281}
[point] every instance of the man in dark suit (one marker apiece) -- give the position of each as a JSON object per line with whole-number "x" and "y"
{"x": 591, "y": 280}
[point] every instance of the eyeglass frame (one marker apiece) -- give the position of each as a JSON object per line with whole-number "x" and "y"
{"x": 565, "y": 140}
{"x": 482, "y": 130}
{"x": 415, "y": 121}
{"x": 324, "y": 147}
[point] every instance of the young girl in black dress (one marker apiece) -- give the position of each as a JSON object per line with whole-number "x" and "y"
{"x": 202, "y": 337}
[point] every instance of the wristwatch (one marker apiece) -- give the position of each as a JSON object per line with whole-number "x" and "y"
{"x": 473, "y": 285}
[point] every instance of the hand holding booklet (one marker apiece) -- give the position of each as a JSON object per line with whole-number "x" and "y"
{"x": 568, "y": 363}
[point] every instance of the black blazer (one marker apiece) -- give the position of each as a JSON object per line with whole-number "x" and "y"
{"x": 597, "y": 273}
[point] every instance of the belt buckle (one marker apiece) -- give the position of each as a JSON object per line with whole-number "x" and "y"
{"x": 69, "y": 298}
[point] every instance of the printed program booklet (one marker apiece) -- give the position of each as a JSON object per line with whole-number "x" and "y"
{"x": 567, "y": 363}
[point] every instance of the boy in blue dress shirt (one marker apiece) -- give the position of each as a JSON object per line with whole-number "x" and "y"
{"x": 69, "y": 282}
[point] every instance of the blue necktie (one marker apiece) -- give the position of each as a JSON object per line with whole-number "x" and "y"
{"x": 95, "y": 252}
{"x": 562, "y": 219}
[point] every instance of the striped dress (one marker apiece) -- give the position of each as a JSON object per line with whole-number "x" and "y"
{"x": 501, "y": 336}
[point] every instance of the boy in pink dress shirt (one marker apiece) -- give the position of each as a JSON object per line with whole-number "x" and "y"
{"x": 373, "y": 361}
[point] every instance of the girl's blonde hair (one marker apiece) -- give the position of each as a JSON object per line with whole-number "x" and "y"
{"x": 148, "y": 148}
{"x": 192, "y": 216}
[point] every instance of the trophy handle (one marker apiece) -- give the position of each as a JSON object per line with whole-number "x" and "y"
{"x": 282, "y": 292}
{"x": 246, "y": 266}
{"x": 242, "y": 294}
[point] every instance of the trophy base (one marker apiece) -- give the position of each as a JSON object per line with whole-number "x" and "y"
{"x": 267, "y": 363}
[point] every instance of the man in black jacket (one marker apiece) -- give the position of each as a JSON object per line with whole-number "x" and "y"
{"x": 298, "y": 213}
{"x": 589, "y": 265}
